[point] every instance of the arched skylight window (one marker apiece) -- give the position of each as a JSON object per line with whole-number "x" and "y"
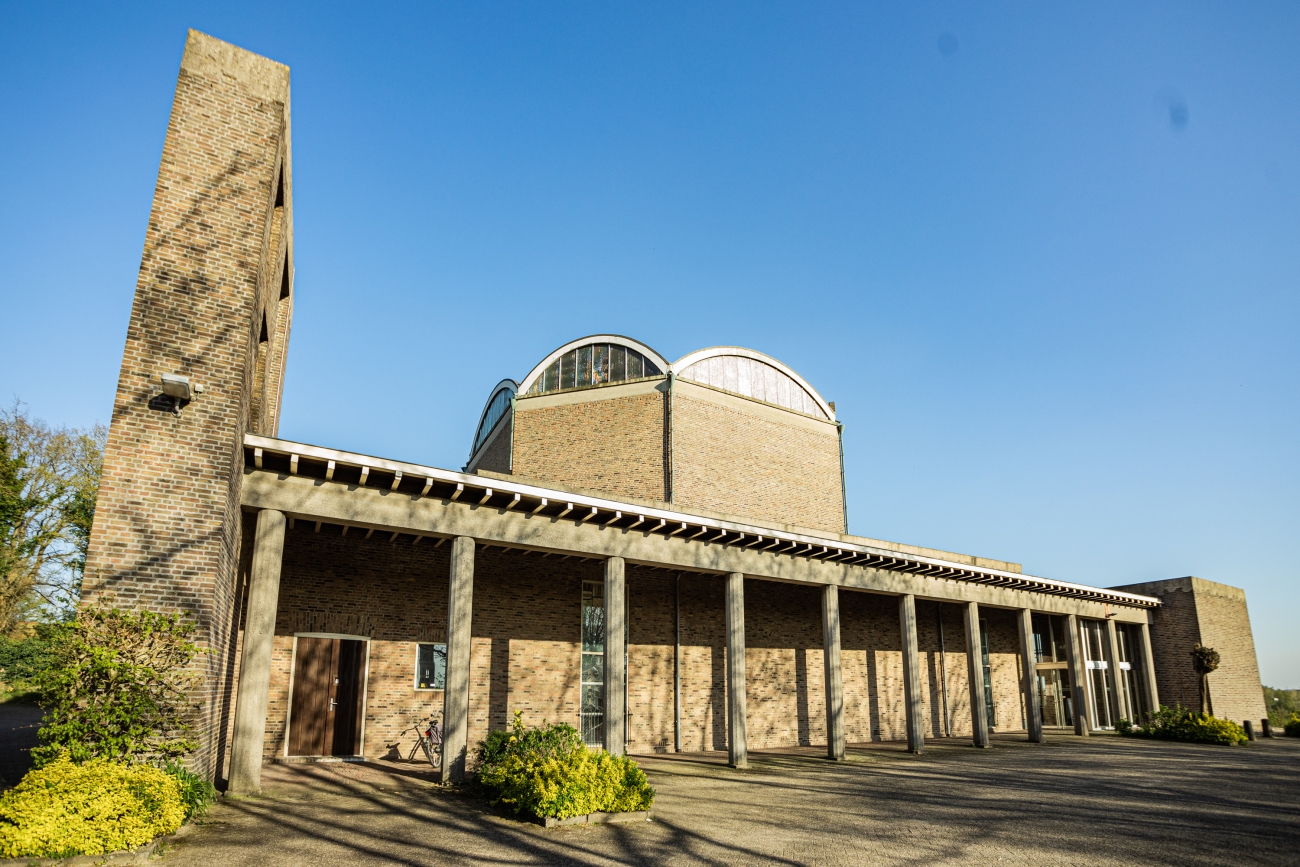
{"x": 593, "y": 364}
{"x": 755, "y": 375}
{"x": 497, "y": 406}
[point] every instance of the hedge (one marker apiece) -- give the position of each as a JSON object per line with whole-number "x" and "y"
{"x": 66, "y": 809}
{"x": 1179, "y": 724}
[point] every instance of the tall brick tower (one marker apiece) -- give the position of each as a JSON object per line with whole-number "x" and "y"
{"x": 1196, "y": 611}
{"x": 213, "y": 303}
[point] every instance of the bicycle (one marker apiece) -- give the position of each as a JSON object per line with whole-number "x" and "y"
{"x": 428, "y": 738}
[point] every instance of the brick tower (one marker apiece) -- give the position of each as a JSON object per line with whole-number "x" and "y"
{"x": 213, "y": 303}
{"x": 1196, "y": 611}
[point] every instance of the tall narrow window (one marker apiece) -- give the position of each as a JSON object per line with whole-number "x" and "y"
{"x": 990, "y": 709}
{"x": 592, "y": 711}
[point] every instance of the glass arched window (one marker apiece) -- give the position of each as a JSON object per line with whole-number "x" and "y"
{"x": 496, "y": 408}
{"x": 594, "y": 364}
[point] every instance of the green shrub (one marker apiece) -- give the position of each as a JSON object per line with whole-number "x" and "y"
{"x": 23, "y": 659}
{"x": 1292, "y": 726}
{"x": 547, "y": 771}
{"x": 197, "y": 794}
{"x": 118, "y": 686}
{"x": 1281, "y": 704}
{"x": 66, "y": 809}
{"x": 1179, "y": 724}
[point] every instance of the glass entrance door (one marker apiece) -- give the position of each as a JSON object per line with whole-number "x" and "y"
{"x": 1101, "y": 688}
{"x": 1052, "y": 671}
{"x": 1130, "y": 685}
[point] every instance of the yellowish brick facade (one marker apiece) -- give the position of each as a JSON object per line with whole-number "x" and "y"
{"x": 217, "y": 264}
{"x": 174, "y": 530}
{"x": 1196, "y": 611}
{"x": 691, "y": 445}
{"x": 741, "y": 457}
{"x": 608, "y": 439}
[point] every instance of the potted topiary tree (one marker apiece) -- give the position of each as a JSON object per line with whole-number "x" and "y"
{"x": 1206, "y": 660}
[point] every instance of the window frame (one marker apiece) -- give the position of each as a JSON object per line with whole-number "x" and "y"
{"x": 415, "y": 668}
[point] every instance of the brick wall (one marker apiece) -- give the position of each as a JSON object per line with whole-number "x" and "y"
{"x": 526, "y": 646}
{"x": 1194, "y": 611}
{"x": 727, "y": 453}
{"x": 1174, "y": 632}
{"x": 496, "y": 456}
{"x": 1235, "y": 689}
{"x": 872, "y": 656}
{"x": 744, "y": 458}
{"x": 614, "y": 444}
{"x": 167, "y": 526}
{"x": 525, "y": 652}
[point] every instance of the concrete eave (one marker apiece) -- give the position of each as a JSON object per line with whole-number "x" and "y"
{"x": 604, "y": 511}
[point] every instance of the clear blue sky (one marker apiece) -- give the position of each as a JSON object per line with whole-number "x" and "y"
{"x": 1044, "y": 257}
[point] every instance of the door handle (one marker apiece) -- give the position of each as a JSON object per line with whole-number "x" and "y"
{"x": 332, "y": 703}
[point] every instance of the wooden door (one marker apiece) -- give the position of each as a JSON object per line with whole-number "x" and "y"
{"x": 328, "y": 685}
{"x": 347, "y": 710}
{"x": 311, "y": 722}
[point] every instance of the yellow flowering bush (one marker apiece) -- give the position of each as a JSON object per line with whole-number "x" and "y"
{"x": 1180, "y": 724}
{"x": 1292, "y": 726}
{"x": 65, "y": 809}
{"x": 547, "y": 771}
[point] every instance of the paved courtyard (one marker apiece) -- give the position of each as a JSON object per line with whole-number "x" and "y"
{"x": 1071, "y": 801}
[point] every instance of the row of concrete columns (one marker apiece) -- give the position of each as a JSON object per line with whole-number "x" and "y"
{"x": 263, "y": 592}
{"x": 913, "y": 700}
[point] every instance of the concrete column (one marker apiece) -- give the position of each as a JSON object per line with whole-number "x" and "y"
{"x": 615, "y": 657}
{"x": 1121, "y": 705}
{"x": 1078, "y": 678}
{"x": 979, "y": 718}
{"x": 1029, "y": 683}
{"x": 455, "y": 697}
{"x": 255, "y": 664}
{"x": 1149, "y": 672}
{"x": 834, "y": 674}
{"x": 737, "y": 753}
{"x": 911, "y": 675}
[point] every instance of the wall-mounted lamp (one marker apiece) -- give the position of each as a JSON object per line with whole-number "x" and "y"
{"x": 179, "y": 389}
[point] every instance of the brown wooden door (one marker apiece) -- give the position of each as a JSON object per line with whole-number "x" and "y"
{"x": 315, "y": 676}
{"x": 328, "y": 690}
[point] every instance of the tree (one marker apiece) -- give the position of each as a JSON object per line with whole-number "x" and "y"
{"x": 1281, "y": 703}
{"x": 1206, "y": 660}
{"x": 49, "y": 481}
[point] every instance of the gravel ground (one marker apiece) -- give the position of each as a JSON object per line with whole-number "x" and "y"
{"x": 1095, "y": 801}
